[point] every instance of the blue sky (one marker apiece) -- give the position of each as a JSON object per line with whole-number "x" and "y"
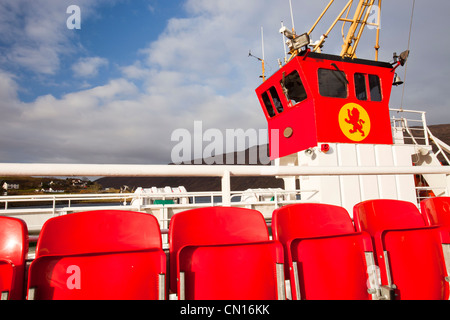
{"x": 115, "y": 90}
{"x": 115, "y": 32}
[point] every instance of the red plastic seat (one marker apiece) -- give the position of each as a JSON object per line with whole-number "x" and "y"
{"x": 409, "y": 253}
{"x": 224, "y": 253}
{"x": 99, "y": 255}
{"x": 436, "y": 212}
{"x": 326, "y": 257}
{"x": 13, "y": 253}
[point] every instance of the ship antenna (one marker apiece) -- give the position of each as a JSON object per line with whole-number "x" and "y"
{"x": 263, "y": 55}
{"x": 409, "y": 44}
{"x": 262, "y": 43}
{"x": 292, "y": 16}
{"x": 284, "y": 45}
{"x": 263, "y": 76}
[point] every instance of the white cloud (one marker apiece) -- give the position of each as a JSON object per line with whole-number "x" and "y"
{"x": 135, "y": 71}
{"x": 35, "y": 34}
{"x": 89, "y": 67}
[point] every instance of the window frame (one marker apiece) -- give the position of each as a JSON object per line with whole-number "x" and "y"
{"x": 269, "y": 98}
{"x": 279, "y": 108}
{"x": 326, "y": 90}
{"x": 303, "y": 94}
{"x": 380, "y": 91}
{"x": 362, "y": 81}
{"x": 371, "y": 82}
{"x": 268, "y": 104}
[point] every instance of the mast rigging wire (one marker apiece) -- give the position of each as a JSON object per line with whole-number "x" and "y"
{"x": 409, "y": 45}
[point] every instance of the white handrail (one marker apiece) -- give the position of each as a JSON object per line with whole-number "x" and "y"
{"x": 441, "y": 145}
{"x": 226, "y": 171}
{"x": 107, "y": 170}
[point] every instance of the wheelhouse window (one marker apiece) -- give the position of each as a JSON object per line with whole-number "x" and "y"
{"x": 268, "y": 104}
{"x": 375, "y": 88}
{"x": 276, "y": 99}
{"x": 360, "y": 86}
{"x": 266, "y": 97}
{"x": 293, "y": 88}
{"x": 332, "y": 83}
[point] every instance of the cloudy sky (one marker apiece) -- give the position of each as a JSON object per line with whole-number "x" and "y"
{"x": 116, "y": 89}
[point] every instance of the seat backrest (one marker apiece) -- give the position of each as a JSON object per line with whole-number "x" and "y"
{"x": 103, "y": 231}
{"x": 211, "y": 226}
{"x": 306, "y": 220}
{"x": 232, "y": 272}
{"x": 6, "y": 279}
{"x": 436, "y": 211}
{"x": 379, "y": 215}
{"x": 399, "y": 229}
{"x": 327, "y": 249}
{"x": 14, "y": 249}
{"x": 217, "y": 225}
{"x": 112, "y": 276}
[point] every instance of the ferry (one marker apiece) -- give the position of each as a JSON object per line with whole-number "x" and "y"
{"x": 364, "y": 213}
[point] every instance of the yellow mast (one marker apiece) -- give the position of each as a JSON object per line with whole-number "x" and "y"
{"x": 357, "y": 24}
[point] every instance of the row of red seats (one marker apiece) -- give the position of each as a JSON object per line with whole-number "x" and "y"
{"x": 225, "y": 253}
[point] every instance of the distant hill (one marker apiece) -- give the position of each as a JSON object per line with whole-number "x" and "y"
{"x": 441, "y": 131}
{"x": 196, "y": 184}
{"x": 256, "y": 155}
{"x": 192, "y": 184}
{"x": 199, "y": 184}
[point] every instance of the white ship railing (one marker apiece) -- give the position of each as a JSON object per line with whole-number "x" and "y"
{"x": 412, "y": 122}
{"x": 62, "y": 204}
{"x": 225, "y": 171}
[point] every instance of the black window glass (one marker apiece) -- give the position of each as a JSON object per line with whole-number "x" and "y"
{"x": 375, "y": 88}
{"x": 360, "y": 86}
{"x": 293, "y": 88}
{"x": 332, "y": 83}
{"x": 268, "y": 104}
{"x": 276, "y": 99}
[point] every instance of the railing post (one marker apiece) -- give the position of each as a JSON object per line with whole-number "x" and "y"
{"x": 425, "y": 129}
{"x": 448, "y": 185}
{"x": 226, "y": 189}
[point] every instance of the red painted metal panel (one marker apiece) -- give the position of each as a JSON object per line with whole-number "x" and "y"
{"x": 324, "y": 118}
